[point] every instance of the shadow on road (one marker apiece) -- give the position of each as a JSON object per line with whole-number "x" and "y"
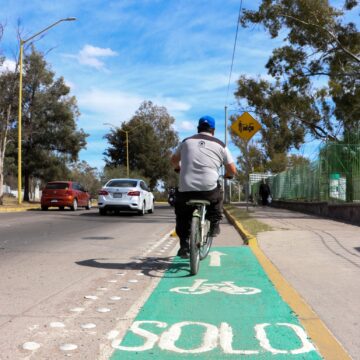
{"x": 167, "y": 267}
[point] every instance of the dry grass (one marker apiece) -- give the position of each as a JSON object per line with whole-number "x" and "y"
{"x": 243, "y": 216}
{"x": 11, "y": 201}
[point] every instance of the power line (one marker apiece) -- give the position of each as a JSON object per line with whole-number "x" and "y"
{"x": 233, "y": 55}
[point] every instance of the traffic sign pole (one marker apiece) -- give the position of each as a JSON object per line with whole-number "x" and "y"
{"x": 245, "y": 127}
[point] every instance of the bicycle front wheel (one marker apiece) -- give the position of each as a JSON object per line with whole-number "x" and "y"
{"x": 194, "y": 245}
{"x": 206, "y": 243}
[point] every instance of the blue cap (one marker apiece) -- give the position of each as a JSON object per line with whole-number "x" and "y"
{"x": 207, "y": 120}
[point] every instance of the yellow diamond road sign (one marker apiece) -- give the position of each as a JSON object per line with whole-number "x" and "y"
{"x": 245, "y": 126}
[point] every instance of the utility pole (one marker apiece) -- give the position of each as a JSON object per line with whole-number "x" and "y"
{"x": 226, "y": 181}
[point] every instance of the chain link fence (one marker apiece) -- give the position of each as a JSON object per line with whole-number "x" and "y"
{"x": 334, "y": 177}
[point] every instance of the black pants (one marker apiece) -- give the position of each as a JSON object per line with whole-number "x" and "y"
{"x": 184, "y": 212}
{"x": 264, "y": 199}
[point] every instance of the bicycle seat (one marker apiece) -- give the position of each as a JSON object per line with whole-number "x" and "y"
{"x": 198, "y": 202}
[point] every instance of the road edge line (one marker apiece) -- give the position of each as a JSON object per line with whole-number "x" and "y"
{"x": 107, "y": 350}
{"x": 327, "y": 344}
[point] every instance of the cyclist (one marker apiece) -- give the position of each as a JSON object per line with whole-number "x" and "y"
{"x": 198, "y": 159}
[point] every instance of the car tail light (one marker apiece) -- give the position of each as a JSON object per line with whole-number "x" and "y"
{"x": 134, "y": 193}
{"x": 103, "y": 192}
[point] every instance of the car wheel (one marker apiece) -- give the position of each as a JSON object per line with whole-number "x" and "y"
{"x": 102, "y": 211}
{"x": 151, "y": 210}
{"x": 74, "y": 205}
{"x": 142, "y": 211}
{"x": 44, "y": 208}
{"x": 88, "y": 206}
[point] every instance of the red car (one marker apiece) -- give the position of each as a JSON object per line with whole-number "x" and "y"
{"x": 65, "y": 193}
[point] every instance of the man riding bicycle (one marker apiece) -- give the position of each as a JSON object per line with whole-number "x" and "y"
{"x": 199, "y": 158}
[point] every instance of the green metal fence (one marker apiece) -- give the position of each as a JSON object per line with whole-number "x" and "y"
{"x": 334, "y": 177}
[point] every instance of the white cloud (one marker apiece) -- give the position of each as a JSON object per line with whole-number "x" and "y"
{"x": 89, "y": 55}
{"x": 109, "y": 105}
{"x": 172, "y": 105}
{"x": 99, "y": 106}
{"x": 8, "y": 65}
{"x": 186, "y": 126}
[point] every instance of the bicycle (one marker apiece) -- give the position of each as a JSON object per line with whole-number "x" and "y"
{"x": 200, "y": 241}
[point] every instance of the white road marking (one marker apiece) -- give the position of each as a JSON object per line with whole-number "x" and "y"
{"x": 88, "y": 326}
{"x": 91, "y": 297}
{"x": 57, "y": 324}
{"x": 103, "y": 310}
{"x": 115, "y": 298}
{"x": 68, "y": 347}
{"x": 30, "y": 346}
{"x": 106, "y": 350}
{"x": 112, "y": 334}
{"x": 77, "y": 309}
{"x": 212, "y": 337}
{"x": 215, "y": 258}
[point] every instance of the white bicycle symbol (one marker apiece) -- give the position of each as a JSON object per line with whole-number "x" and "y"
{"x": 201, "y": 287}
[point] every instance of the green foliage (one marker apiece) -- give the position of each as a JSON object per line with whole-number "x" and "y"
{"x": 255, "y": 158}
{"x": 83, "y": 173}
{"x": 151, "y": 140}
{"x": 116, "y": 172}
{"x": 318, "y": 45}
{"x": 50, "y": 137}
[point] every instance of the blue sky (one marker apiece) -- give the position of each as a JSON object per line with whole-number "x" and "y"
{"x": 176, "y": 53}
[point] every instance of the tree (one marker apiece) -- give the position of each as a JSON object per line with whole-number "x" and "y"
{"x": 7, "y": 120}
{"x": 111, "y": 172}
{"x": 50, "y": 137}
{"x": 255, "y": 158}
{"x": 86, "y": 175}
{"x": 151, "y": 140}
{"x": 318, "y": 45}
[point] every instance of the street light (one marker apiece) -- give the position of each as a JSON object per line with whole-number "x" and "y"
{"x": 127, "y": 143}
{"x": 22, "y": 43}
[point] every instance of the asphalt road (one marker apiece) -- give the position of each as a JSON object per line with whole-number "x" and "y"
{"x": 68, "y": 278}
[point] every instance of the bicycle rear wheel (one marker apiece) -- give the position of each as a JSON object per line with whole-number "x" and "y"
{"x": 206, "y": 244}
{"x": 194, "y": 245}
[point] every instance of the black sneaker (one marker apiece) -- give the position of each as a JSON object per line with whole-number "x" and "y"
{"x": 214, "y": 229}
{"x": 183, "y": 253}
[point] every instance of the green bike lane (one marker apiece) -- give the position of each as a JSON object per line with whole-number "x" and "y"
{"x": 229, "y": 310}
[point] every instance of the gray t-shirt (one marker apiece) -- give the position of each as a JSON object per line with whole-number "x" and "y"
{"x": 201, "y": 157}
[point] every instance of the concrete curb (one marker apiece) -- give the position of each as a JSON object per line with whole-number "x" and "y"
{"x": 328, "y": 346}
{"x": 19, "y": 209}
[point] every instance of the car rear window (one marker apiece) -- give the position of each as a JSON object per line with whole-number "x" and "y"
{"x": 57, "y": 186}
{"x": 122, "y": 183}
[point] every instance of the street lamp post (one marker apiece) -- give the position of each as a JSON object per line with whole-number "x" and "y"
{"x": 226, "y": 181}
{"x": 22, "y": 43}
{"x": 127, "y": 143}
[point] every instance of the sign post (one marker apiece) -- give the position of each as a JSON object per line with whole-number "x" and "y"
{"x": 245, "y": 126}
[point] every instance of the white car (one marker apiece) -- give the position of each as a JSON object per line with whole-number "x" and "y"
{"x": 126, "y": 195}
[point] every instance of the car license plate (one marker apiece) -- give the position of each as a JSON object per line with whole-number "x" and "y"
{"x": 54, "y": 201}
{"x": 117, "y": 195}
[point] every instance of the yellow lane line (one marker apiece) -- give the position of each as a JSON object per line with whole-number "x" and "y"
{"x": 325, "y": 341}
{"x": 15, "y": 209}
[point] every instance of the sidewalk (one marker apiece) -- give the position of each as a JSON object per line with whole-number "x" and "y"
{"x": 320, "y": 258}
